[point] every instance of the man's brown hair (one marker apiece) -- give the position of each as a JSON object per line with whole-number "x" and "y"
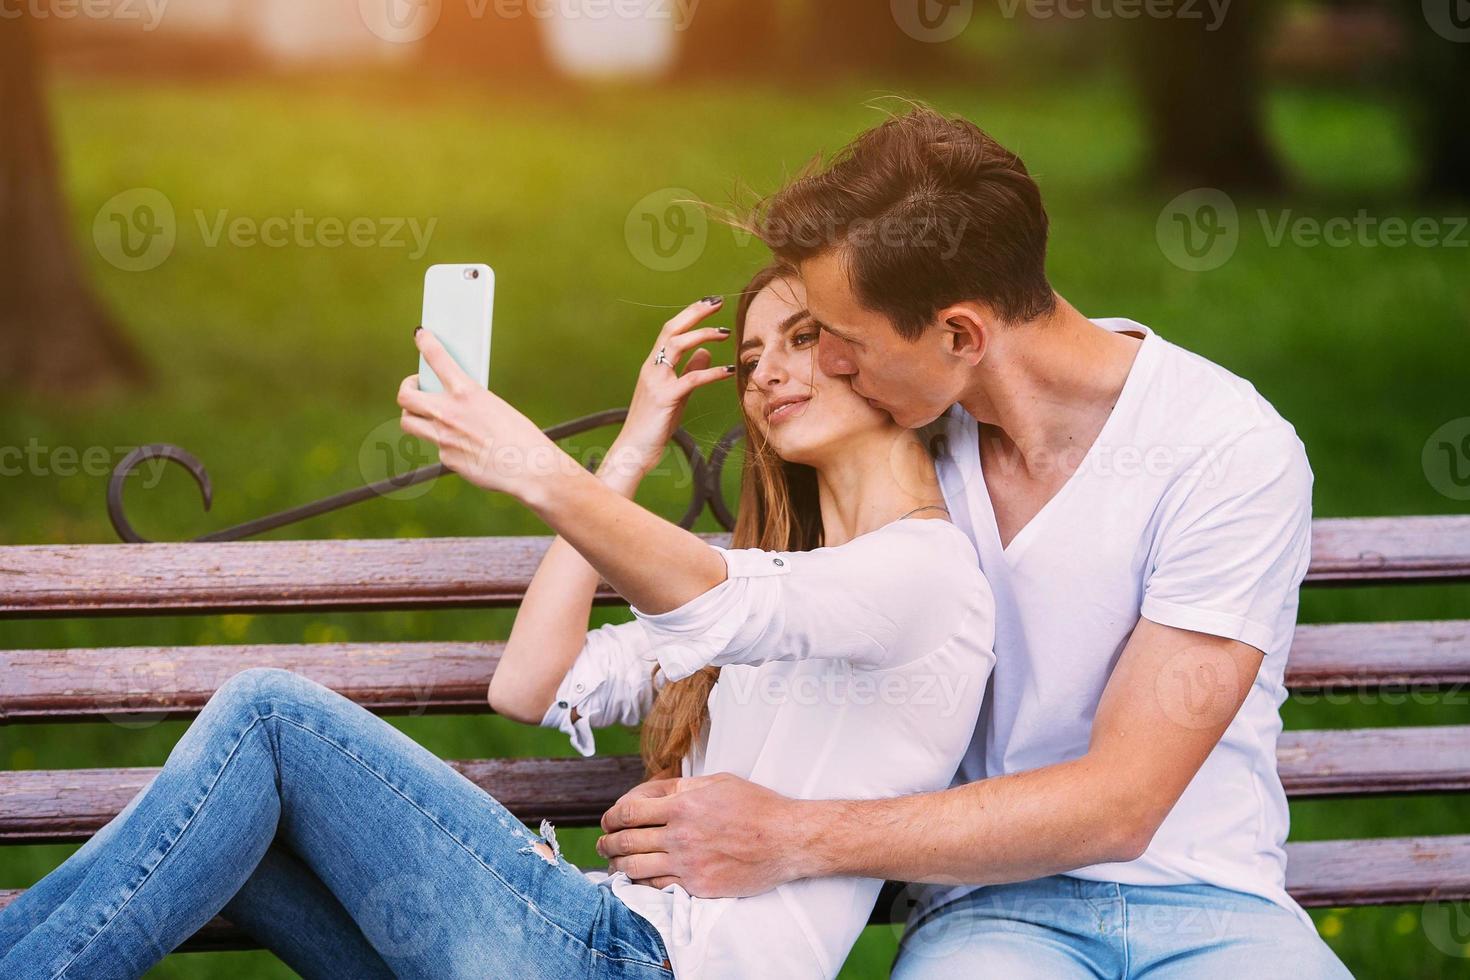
{"x": 925, "y": 211}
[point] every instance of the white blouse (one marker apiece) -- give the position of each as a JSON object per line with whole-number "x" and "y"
{"x": 851, "y": 672}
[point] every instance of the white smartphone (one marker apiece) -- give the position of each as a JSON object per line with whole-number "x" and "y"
{"x": 459, "y": 306}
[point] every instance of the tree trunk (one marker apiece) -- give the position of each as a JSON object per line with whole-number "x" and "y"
{"x": 1441, "y": 70}
{"x": 54, "y": 334}
{"x": 1201, "y": 92}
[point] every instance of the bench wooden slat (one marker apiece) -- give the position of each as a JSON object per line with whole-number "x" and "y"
{"x": 1384, "y": 871}
{"x": 71, "y": 804}
{"x": 1381, "y": 871}
{"x": 1412, "y": 655}
{"x": 1375, "y": 761}
{"x": 121, "y": 579}
{"x": 270, "y": 576}
{"x": 1367, "y": 550}
{"x": 120, "y": 683}
{"x": 68, "y": 805}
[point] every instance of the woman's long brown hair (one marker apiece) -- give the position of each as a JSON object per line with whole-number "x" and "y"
{"x": 778, "y": 511}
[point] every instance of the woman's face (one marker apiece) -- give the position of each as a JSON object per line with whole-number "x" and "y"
{"x": 803, "y": 414}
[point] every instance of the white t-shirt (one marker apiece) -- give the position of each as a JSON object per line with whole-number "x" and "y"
{"x": 1192, "y": 510}
{"x": 850, "y": 672}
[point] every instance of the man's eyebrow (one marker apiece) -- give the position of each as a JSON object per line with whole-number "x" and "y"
{"x": 783, "y": 326}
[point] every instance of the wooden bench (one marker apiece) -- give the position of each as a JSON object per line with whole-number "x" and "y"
{"x": 394, "y": 678}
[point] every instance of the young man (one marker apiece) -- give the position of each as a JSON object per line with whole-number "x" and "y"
{"x": 1144, "y": 518}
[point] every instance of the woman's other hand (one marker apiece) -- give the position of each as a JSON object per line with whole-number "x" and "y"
{"x": 663, "y": 391}
{"x": 480, "y": 436}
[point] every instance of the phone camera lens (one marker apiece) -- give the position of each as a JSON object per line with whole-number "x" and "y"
{"x": 472, "y": 273}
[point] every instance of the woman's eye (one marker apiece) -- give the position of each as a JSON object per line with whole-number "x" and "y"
{"x": 748, "y": 367}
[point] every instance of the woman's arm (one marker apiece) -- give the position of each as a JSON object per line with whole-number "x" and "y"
{"x": 550, "y": 627}
{"x": 549, "y": 632}
{"x": 652, "y": 563}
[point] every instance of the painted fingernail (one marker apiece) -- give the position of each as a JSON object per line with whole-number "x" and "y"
{"x": 416, "y": 331}
{"x": 729, "y": 369}
{"x": 724, "y": 330}
{"x": 713, "y": 300}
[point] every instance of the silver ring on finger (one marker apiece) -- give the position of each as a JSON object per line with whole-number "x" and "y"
{"x": 662, "y": 358}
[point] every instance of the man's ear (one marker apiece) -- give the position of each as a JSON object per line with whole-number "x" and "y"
{"x": 965, "y": 331}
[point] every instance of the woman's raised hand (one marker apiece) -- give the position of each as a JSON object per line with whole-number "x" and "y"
{"x": 480, "y": 436}
{"x": 663, "y": 389}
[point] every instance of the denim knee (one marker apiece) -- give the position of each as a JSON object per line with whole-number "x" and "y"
{"x": 256, "y": 689}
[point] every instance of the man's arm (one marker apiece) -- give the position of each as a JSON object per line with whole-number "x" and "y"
{"x": 1168, "y": 701}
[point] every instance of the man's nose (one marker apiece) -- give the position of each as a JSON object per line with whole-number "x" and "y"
{"x": 833, "y": 357}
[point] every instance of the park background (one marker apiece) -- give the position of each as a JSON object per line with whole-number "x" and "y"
{"x": 179, "y": 178}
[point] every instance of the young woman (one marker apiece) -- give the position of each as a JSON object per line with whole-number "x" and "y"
{"x": 839, "y": 649}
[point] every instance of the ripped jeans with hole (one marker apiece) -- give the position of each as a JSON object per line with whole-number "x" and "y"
{"x": 335, "y": 841}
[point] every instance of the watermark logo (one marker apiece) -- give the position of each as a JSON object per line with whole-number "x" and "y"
{"x": 1447, "y": 926}
{"x": 1446, "y": 459}
{"x": 932, "y": 21}
{"x": 389, "y": 453}
{"x": 1199, "y": 230}
{"x": 1199, "y": 687}
{"x": 667, "y": 230}
{"x": 402, "y": 915}
{"x": 127, "y": 691}
{"x": 136, "y": 230}
{"x": 1450, "y": 19}
{"x": 400, "y": 21}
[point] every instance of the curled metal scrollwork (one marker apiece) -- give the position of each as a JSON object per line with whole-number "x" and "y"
{"x": 707, "y": 487}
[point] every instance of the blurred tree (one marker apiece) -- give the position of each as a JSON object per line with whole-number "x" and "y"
{"x": 54, "y": 333}
{"x": 1200, "y": 83}
{"x": 473, "y": 37}
{"x": 843, "y": 37}
{"x": 732, "y": 38}
{"x": 810, "y": 38}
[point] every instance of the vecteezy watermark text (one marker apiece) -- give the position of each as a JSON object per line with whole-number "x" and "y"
{"x": 39, "y": 460}
{"x": 138, "y": 229}
{"x": 305, "y": 231}
{"x": 408, "y": 21}
{"x": 149, "y": 12}
{"x": 1199, "y": 230}
{"x": 1210, "y": 12}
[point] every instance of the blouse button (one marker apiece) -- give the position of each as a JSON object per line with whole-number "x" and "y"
{"x": 562, "y": 704}
{"x": 580, "y": 687}
{"x": 778, "y": 561}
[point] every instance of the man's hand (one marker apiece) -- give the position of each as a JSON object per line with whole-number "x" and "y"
{"x": 1170, "y": 697}
{"x": 717, "y": 836}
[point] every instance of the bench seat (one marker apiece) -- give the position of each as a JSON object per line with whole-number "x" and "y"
{"x": 124, "y": 684}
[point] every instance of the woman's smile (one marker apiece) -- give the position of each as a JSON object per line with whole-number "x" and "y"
{"x": 787, "y": 407}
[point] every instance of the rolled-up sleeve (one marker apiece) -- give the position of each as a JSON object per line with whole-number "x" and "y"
{"x": 856, "y": 601}
{"x": 1233, "y": 554}
{"x": 610, "y": 683}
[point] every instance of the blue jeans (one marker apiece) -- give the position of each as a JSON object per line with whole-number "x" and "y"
{"x": 1061, "y": 927}
{"x": 334, "y": 840}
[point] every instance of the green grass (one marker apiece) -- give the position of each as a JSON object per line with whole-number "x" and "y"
{"x": 277, "y": 365}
